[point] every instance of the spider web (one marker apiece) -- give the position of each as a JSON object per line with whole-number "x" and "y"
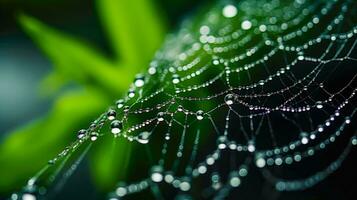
{"x": 263, "y": 86}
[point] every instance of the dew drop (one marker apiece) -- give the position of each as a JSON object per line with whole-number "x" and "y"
{"x": 204, "y": 30}
{"x": 160, "y": 116}
{"x": 260, "y": 161}
{"x": 169, "y": 177}
{"x": 131, "y": 93}
{"x": 320, "y": 128}
{"x": 139, "y": 81}
{"x": 167, "y": 137}
{"x": 121, "y": 191}
{"x": 234, "y": 180}
{"x": 347, "y": 120}
{"x": 229, "y": 99}
{"x": 156, "y": 174}
{"x": 81, "y": 133}
{"x": 199, "y": 115}
{"x": 210, "y": 160}
{"x": 354, "y": 140}
{"x": 185, "y": 186}
{"x": 152, "y": 70}
{"x": 304, "y": 138}
{"x": 143, "y": 137}
{"x": 319, "y": 105}
{"x": 175, "y": 79}
{"x": 246, "y": 25}
{"x": 180, "y": 108}
{"x": 229, "y": 11}
{"x": 111, "y": 114}
{"x": 116, "y": 126}
{"x": 94, "y": 136}
{"x": 262, "y": 28}
{"x": 28, "y": 196}
{"x": 251, "y": 146}
{"x": 222, "y": 142}
{"x": 243, "y": 171}
{"x": 120, "y": 103}
{"x": 202, "y": 169}
{"x": 126, "y": 109}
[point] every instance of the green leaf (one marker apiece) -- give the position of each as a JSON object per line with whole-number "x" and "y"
{"x": 29, "y": 148}
{"x": 75, "y": 59}
{"x": 109, "y": 161}
{"x": 135, "y": 31}
{"x": 134, "y": 28}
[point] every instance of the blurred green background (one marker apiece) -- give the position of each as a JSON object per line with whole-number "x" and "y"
{"x": 62, "y": 63}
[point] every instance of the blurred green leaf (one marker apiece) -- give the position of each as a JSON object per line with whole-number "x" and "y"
{"x": 109, "y": 161}
{"x": 135, "y": 31}
{"x": 134, "y": 28}
{"x": 27, "y": 149}
{"x": 75, "y": 59}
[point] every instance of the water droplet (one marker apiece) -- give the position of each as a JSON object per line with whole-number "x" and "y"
{"x": 210, "y": 160}
{"x": 297, "y": 157}
{"x": 204, "y": 30}
{"x": 262, "y": 28}
{"x": 319, "y": 105}
{"x": 175, "y": 79}
{"x": 93, "y": 125}
{"x": 81, "y": 133}
{"x": 28, "y": 196}
{"x": 278, "y": 161}
{"x": 222, "y": 142}
{"x": 354, "y": 140}
{"x": 246, "y": 25}
{"x": 202, "y": 169}
{"x": 185, "y": 185}
{"x": 169, "y": 177}
{"x": 121, "y": 191}
{"x": 126, "y": 109}
{"x": 51, "y": 162}
{"x": 116, "y": 126}
{"x": 243, "y": 171}
{"x": 131, "y": 93}
{"x": 347, "y": 120}
{"x": 94, "y": 136}
{"x": 156, "y": 174}
{"x": 139, "y": 81}
{"x": 152, "y": 70}
{"x": 111, "y": 114}
{"x": 229, "y": 11}
{"x": 167, "y": 136}
{"x": 160, "y": 116}
{"x": 199, "y": 115}
{"x": 251, "y": 146}
{"x": 180, "y": 108}
{"x": 120, "y": 103}
{"x": 229, "y": 99}
{"x": 304, "y": 138}
{"x": 232, "y": 145}
{"x": 143, "y": 137}
{"x": 260, "y": 162}
{"x": 312, "y": 136}
{"x": 234, "y": 180}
